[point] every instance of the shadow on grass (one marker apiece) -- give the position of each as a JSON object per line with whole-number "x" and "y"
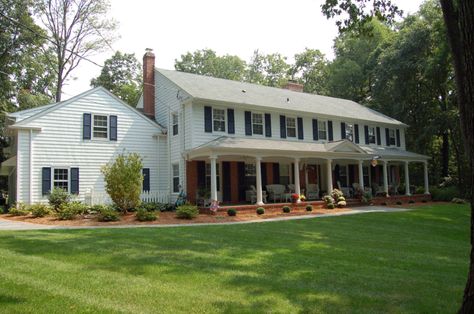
{"x": 372, "y": 263}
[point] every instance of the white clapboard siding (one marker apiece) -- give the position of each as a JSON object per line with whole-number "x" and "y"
{"x": 60, "y": 143}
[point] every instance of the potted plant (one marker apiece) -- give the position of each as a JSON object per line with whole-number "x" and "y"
{"x": 295, "y": 197}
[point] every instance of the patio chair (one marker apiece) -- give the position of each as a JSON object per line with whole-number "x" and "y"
{"x": 202, "y": 201}
{"x": 275, "y": 192}
{"x": 377, "y": 189}
{"x": 312, "y": 192}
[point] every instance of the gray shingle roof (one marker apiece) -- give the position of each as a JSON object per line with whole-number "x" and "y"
{"x": 210, "y": 88}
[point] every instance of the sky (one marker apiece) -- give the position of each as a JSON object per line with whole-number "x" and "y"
{"x": 172, "y": 28}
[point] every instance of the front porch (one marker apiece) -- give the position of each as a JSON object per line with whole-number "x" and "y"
{"x": 239, "y": 177}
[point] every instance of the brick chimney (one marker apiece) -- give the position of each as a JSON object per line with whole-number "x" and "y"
{"x": 294, "y": 86}
{"x": 149, "y": 83}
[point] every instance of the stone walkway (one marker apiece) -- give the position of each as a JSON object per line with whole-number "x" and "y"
{"x": 17, "y": 225}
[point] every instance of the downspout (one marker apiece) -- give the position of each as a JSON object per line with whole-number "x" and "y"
{"x": 30, "y": 197}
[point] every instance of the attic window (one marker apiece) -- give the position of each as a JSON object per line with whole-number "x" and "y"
{"x": 100, "y": 127}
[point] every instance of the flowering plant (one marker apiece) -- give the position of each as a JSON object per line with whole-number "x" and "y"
{"x": 302, "y": 197}
{"x": 295, "y": 196}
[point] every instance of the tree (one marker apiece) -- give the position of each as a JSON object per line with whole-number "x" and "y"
{"x": 121, "y": 75}
{"x": 207, "y": 62}
{"x": 123, "y": 180}
{"x": 76, "y": 29}
{"x": 269, "y": 70}
{"x": 310, "y": 69}
{"x": 459, "y": 21}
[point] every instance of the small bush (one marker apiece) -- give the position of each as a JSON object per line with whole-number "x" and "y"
{"x": 69, "y": 211}
{"x": 231, "y": 212}
{"x": 260, "y": 211}
{"x": 458, "y": 201}
{"x": 445, "y": 194}
{"x": 286, "y": 209}
{"x": 330, "y": 206}
{"x": 411, "y": 202}
{"x": 341, "y": 204}
{"x": 309, "y": 208}
{"x": 145, "y": 215}
{"x": 367, "y": 198}
{"x": 19, "y": 209}
{"x": 148, "y": 206}
{"x": 107, "y": 213}
{"x": 40, "y": 210}
{"x": 58, "y": 197}
{"x": 187, "y": 211}
{"x": 399, "y": 203}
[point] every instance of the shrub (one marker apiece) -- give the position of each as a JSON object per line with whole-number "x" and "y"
{"x": 445, "y": 194}
{"x": 231, "y": 212}
{"x": 145, "y": 215}
{"x": 330, "y": 206}
{"x": 123, "y": 180}
{"x": 458, "y": 201}
{"x": 309, "y": 208}
{"x": 148, "y": 206}
{"x": 286, "y": 209}
{"x": 411, "y": 202}
{"x": 329, "y": 200}
{"x": 40, "y": 210}
{"x": 69, "y": 211}
{"x": 58, "y": 197}
{"x": 399, "y": 203}
{"x": 18, "y": 209}
{"x": 187, "y": 211}
{"x": 367, "y": 198}
{"x": 107, "y": 213}
{"x": 260, "y": 211}
{"x": 336, "y": 194}
{"x": 341, "y": 204}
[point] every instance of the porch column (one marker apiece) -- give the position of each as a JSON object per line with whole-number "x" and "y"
{"x": 407, "y": 179}
{"x": 297, "y": 177}
{"x": 258, "y": 178}
{"x": 385, "y": 177}
{"x": 329, "y": 176}
{"x": 425, "y": 168}
{"x": 361, "y": 175}
{"x": 213, "y": 160}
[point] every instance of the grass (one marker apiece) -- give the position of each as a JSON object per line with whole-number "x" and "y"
{"x": 413, "y": 261}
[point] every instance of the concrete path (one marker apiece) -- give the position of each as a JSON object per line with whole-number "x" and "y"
{"x": 17, "y": 225}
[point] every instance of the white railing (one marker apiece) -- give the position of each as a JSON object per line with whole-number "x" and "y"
{"x": 95, "y": 197}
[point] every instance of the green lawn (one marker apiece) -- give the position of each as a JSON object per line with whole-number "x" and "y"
{"x": 381, "y": 262}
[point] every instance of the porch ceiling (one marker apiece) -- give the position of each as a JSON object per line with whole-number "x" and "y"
{"x": 266, "y": 147}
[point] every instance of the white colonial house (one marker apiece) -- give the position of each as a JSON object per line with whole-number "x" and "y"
{"x": 217, "y": 139}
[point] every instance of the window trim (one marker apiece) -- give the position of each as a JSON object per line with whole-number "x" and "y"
{"x": 295, "y": 127}
{"x": 375, "y": 134}
{"x": 325, "y": 123}
{"x": 174, "y": 177}
{"x": 93, "y": 137}
{"x": 351, "y": 127}
{"x": 224, "y": 119}
{"x": 68, "y": 169}
{"x": 173, "y": 124}
{"x": 390, "y": 137}
{"x": 262, "y": 116}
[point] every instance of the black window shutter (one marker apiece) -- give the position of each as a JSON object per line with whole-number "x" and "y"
{"x": 74, "y": 180}
{"x": 356, "y": 133}
{"x": 282, "y": 126}
{"x": 45, "y": 180}
{"x": 113, "y": 128}
{"x": 300, "y": 128}
{"x": 343, "y": 130}
{"x": 146, "y": 179}
{"x": 379, "y": 139}
{"x": 248, "y": 123}
{"x": 86, "y": 126}
{"x": 208, "y": 119}
{"x": 276, "y": 173}
{"x": 387, "y": 137}
{"x": 201, "y": 174}
{"x": 366, "y": 132}
{"x": 263, "y": 172}
{"x": 268, "y": 125}
{"x": 330, "y": 135}
{"x": 231, "y": 123}
{"x": 315, "y": 130}
{"x": 398, "y": 137}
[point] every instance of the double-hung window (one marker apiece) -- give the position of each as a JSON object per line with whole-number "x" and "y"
{"x": 176, "y": 178}
{"x": 218, "y": 117}
{"x": 100, "y": 127}
{"x": 290, "y": 127}
{"x": 350, "y": 132}
{"x": 322, "y": 130}
{"x": 365, "y": 171}
{"x": 392, "y": 137}
{"x": 61, "y": 178}
{"x": 257, "y": 123}
{"x": 371, "y": 134}
{"x": 174, "y": 118}
{"x": 343, "y": 175}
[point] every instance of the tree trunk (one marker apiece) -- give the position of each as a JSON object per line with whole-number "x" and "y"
{"x": 459, "y": 19}
{"x": 445, "y": 154}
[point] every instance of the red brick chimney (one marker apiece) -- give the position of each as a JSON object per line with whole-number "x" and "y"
{"x": 294, "y": 86}
{"x": 149, "y": 83}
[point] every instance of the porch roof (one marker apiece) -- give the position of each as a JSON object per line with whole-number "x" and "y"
{"x": 297, "y": 149}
